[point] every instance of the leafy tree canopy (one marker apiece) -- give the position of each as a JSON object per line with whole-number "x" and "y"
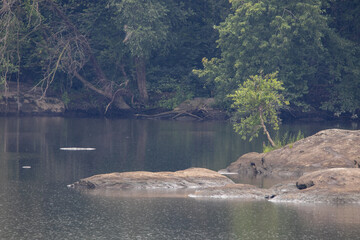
{"x": 256, "y": 103}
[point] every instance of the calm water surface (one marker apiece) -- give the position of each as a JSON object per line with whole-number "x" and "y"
{"x": 36, "y": 204}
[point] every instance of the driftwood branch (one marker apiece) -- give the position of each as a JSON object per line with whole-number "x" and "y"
{"x": 170, "y": 115}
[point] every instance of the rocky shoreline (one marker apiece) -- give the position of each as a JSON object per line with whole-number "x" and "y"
{"x": 324, "y": 168}
{"x": 31, "y": 104}
{"x": 29, "y": 101}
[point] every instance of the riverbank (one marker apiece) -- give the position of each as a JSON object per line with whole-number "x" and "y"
{"x": 29, "y": 101}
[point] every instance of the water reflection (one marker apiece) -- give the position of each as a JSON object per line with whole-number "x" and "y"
{"x": 36, "y": 204}
{"x": 121, "y": 145}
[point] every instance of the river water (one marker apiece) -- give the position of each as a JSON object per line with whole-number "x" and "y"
{"x": 36, "y": 204}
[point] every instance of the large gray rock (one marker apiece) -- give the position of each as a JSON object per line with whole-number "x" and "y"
{"x": 192, "y": 178}
{"x": 333, "y": 148}
{"x": 336, "y": 185}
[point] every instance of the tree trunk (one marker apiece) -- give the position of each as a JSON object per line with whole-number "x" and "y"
{"x": 141, "y": 79}
{"x": 264, "y": 127}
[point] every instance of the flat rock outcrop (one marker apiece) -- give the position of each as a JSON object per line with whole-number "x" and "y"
{"x": 336, "y": 185}
{"x": 333, "y": 148}
{"x": 192, "y": 178}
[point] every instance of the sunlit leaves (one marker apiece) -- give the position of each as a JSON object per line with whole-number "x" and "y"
{"x": 259, "y": 97}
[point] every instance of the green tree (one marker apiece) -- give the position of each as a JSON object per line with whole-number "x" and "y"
{"x": 292, "y": 37}
{"x": 256, "y": 103}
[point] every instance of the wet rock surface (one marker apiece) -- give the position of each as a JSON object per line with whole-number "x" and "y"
{"x": 333, "y": 148}
{"x": 234, "y": 191}
{"x": 192, "y": 178}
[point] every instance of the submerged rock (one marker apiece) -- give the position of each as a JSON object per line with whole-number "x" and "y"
{"x": 192, "y": 178}
{"x": 333, "y": 148}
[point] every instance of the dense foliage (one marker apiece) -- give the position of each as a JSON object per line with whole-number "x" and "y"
{"x": 317, "y": 60}
{"x": 137, "y": 53}
{"x": 128, "y": 51}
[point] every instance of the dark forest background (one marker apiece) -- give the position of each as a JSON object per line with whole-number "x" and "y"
{"x": 144, "y": 54}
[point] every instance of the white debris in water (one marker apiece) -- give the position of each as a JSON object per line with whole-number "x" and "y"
{"x": 26, "y": 167}
{"x": 227, "y": 196}
{"x": 77, "y": 149}
{"x": 225, "y": 172}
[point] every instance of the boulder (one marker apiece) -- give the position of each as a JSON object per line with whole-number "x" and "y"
{"x": 192, "y": 178}
{"x": 249, "y": 164}
{"x": 234, "y": 191}
{"x": 336, "y": 185}
{"x": 333, "y": 148}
